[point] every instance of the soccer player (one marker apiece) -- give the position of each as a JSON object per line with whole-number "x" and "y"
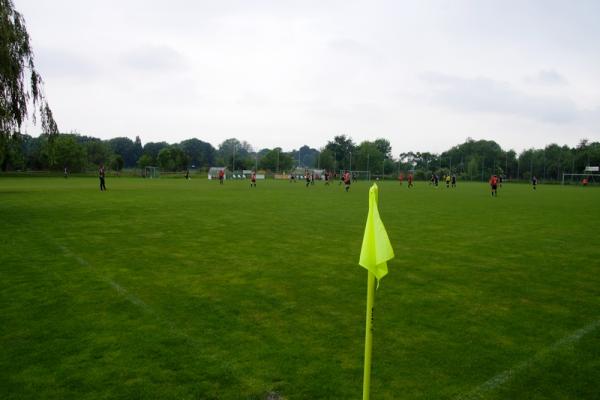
{"x": 448, "y": 181}
{"x": 410, "y": 180}
{"x": 307, "y": 175}
{"x": 534, "y": 182}
{"x": 221, "y": 176}
{"x": 453, "y": 181}
{"x": 500, "y": 180}
{"x": 494, "y": 185}
{"x": 66, "y": 172}
{"x": 401, "y": 178}
{"x": 101, "y": 173}
{"x": 187, "y": 174}
{"x": 584, "y": 181}
{"x": 347, "y": 180}
{"x": 253, "y": 179}
{"x": 326, "y": 178}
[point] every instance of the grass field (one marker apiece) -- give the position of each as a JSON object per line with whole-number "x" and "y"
{"x": 167, "y": 289}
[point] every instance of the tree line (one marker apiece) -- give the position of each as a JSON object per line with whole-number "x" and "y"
{"x": 471, "y": 160}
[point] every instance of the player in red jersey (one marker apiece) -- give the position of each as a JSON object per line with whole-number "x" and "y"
{"x": 494, "y": 185}
{"x": 347, "y": 180}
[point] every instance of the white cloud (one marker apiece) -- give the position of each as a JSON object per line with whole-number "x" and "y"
{"x": 547, "y": 77}
{"x": 488, "y": 95}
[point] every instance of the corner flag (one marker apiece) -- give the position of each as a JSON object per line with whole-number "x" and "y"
{"x": 376, "y": 248}
{"x": 375, "y": 252}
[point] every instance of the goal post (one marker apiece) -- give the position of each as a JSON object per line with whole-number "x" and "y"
{"x": 151, "y": 172}
{"x": 591, "y": 178}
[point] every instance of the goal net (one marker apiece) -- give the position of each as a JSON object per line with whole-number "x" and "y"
{"x": 581, "y": 179}
{"x": 151, "y": 172}
{"x": 590, "y": 176}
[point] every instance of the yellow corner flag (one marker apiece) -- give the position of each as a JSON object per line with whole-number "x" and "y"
{"x": 375, "y": 252}
{"x": 376, "y": 248}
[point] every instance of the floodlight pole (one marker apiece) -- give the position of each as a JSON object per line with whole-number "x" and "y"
{"x": 531, "y": 166}
{"x": 482, "y": 163}
{"x": 544, "y": 164}
{"x": 233, "y": 162}
{"x": 350, "y": 161}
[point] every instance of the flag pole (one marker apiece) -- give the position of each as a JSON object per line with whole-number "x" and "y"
{"x": 369, "y": 335}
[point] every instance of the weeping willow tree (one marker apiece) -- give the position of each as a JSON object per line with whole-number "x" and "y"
{"x": 22, "y": 94}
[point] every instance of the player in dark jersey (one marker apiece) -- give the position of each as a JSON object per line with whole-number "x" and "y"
{"x": 253, "y": 180}
{"x": 101, "y": 175}
{"x": 534, "y": 182}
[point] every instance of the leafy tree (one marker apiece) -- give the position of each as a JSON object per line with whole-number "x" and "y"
{"x": 384, "y": 146}
{"x": 144, "y": 161}
{"x": 368, "y": 157}
{"x": 126, "y": 148}
{"x": 117, "y": 162}
{"x": 306, "y": 156}
{"x": 152, "y": 149}
{"x": 67, "y": 152}
{"x": 165, "y": 159}
{"x": 180, "y": 159}
{"x": 474, "y": 168}
{"x": 232, "y": 149}
{"x": 172, "y": 158}
{"x": 13, "y": 155}
{"x": 276, "y": 160}
{"x": 98, "y": 152}
{"x": 138, "y": 150}
{"x": 200, "y": 154}
{"x": 342, "y": 147}
{"x": 21, "y": 82}
{"x": 327, "y": 160}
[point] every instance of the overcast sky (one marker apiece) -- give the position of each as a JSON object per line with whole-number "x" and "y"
{"x": 424, "y": 74}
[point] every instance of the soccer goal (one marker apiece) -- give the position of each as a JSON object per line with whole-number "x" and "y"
{"x": 151, "y": 172}
{"x": 591, "y": 176}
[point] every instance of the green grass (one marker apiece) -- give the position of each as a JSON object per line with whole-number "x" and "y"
{"x": 167, "y": 289}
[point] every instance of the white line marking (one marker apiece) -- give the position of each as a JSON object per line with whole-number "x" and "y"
{"x": 505, "y": 376}
{"x": 118, "y": 288}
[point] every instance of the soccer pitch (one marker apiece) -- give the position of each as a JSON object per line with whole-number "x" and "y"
{"x": 174, "y": 289}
